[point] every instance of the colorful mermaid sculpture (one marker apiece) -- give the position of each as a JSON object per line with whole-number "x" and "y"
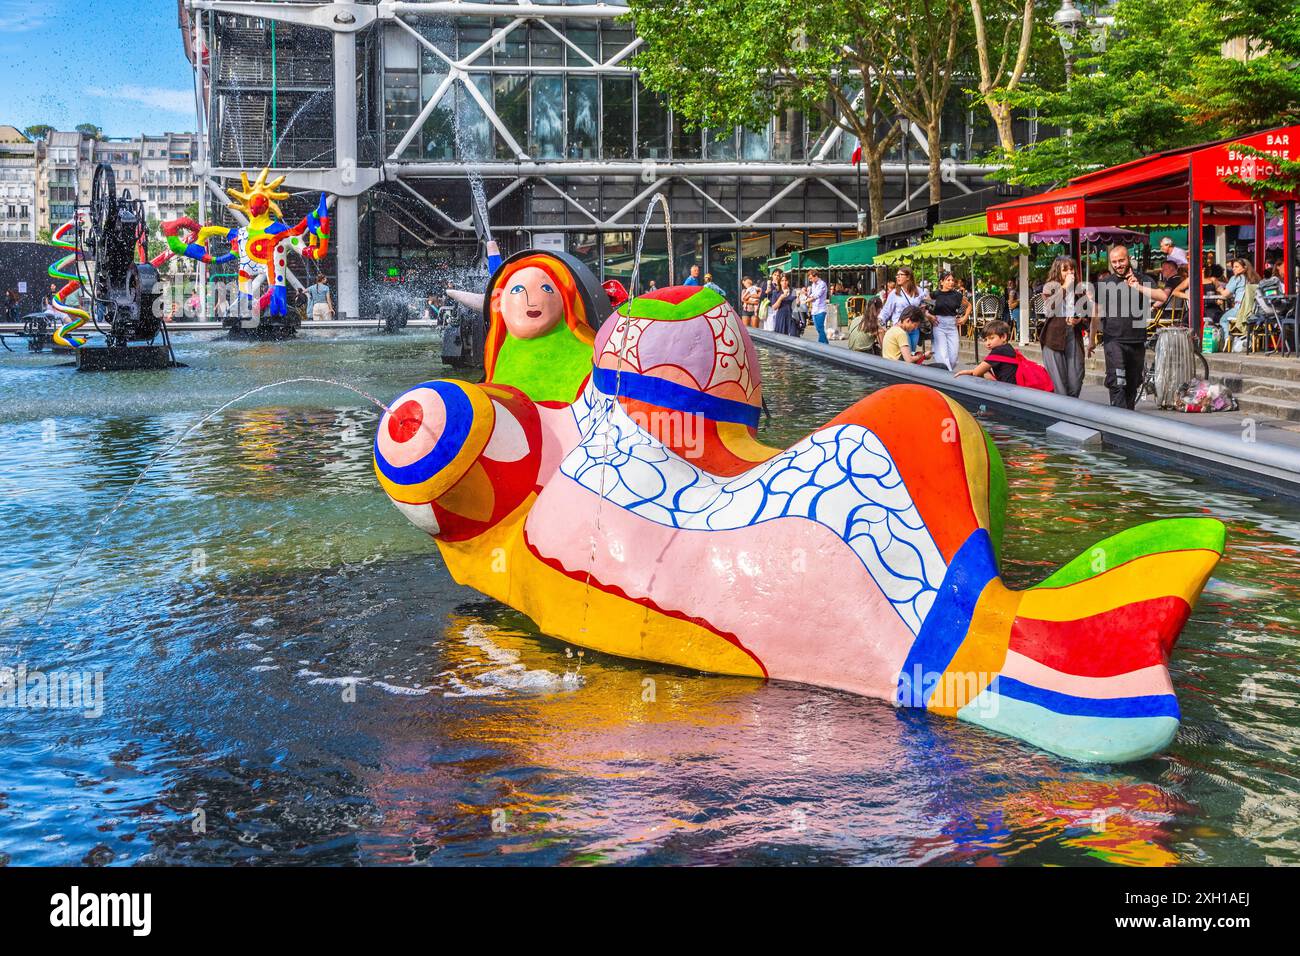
{"x": 644, "y": 519}
{"x": 262, "y": 245}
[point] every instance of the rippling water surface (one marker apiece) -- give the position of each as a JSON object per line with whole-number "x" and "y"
{"x": 257, "y": 581}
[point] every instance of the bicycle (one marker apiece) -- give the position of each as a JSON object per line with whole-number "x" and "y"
{"x": 1191, "y": 359}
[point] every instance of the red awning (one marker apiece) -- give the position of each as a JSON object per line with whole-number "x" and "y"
{"x": 1154, "y": 190}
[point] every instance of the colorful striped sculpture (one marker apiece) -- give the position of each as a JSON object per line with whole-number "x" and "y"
{"x": 644, "y": 519}
{"x": 263, "y": 245}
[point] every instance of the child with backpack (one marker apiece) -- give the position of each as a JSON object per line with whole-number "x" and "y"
{"x": 1002, "y": 363}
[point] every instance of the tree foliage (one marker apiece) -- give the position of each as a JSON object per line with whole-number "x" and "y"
{"x": 1162, "y": 81}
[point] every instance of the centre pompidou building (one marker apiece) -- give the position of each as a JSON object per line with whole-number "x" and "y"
{"x": 404, "y": 110}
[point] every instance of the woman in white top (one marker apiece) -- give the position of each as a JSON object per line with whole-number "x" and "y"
{"x": 905, "y": 294}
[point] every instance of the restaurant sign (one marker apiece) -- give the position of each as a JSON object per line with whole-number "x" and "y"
{"x": 1035, "y": 217}
{"x": 1213, "y": 165}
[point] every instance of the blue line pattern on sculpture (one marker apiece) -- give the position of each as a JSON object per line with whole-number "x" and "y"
{"x": 843, "y": 478}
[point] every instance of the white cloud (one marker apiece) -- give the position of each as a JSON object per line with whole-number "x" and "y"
{"x": 19, "y": 16}
{"x": 161, "y": 98}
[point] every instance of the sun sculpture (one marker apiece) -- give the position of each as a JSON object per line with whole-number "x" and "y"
{"x": 640, "y": 516}
{"x": 263, "y": 245}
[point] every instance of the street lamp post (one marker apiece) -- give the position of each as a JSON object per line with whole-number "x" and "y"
{"x": 1068, "y": 21}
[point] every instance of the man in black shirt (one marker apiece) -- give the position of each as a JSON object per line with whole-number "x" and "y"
{"x": 1124, "y": 301}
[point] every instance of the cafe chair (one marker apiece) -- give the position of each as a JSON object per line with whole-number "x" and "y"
{"x": 988, "y": 307}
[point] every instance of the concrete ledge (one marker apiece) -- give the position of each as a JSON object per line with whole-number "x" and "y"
{"x": 1262, "y": 465}
{"x": 1074, "y": 434}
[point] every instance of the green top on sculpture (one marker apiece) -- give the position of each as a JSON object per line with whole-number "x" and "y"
{"x": 542, "y": 310}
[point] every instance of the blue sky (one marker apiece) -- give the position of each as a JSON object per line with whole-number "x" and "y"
{"x": 115, "y": 63}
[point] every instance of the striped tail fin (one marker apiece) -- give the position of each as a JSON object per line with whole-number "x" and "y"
{"x": 1085, "y": 672}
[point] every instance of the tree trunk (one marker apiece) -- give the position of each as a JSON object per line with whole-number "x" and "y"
{"x": 1001, "y": 114}
{"x": 876, "y": 188}
{"x": 936, "y": 158}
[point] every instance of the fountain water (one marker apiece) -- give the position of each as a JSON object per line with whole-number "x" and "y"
{"x": 275, "y": 147}
{"x": 122, "y": 498}
{"x": 661, "y": 200}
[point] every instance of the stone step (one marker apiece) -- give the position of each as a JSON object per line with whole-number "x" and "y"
{"x": 1283, "y": 408}
{"x": 1257, "y": 386}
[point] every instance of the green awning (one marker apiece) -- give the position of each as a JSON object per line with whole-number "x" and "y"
{"x": 782, "y": 263}
{"x": 853, "y": 254}
{"x": 965, "y": 247}
{"x": 1177, "y": 233}
{"x": 814, "y": 258}
{"x": 622, "y": 267}
{"x": 956, "y": 228}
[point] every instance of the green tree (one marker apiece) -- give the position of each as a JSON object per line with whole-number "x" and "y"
{"x": 1013, "y": 42}
{"x": 44, "y": 235}
{"x": 754, "y": 58}
{"x": 1162, "y": 81}
{"x": 922, "y": 42}
{"x": 89, "y": 129}
{"x": 38, "y": 131}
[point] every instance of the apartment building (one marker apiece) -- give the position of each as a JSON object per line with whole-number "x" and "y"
{"x": 18, "y": 168}
{"x": 168, "y": 183}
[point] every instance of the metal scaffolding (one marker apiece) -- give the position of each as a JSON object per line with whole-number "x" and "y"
{"x": 227, "y": 43}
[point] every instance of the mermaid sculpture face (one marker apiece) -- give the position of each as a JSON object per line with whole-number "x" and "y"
{"x": 531, "y": 304}
{"x": 539, "y": 333}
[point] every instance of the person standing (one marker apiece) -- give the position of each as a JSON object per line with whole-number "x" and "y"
{"x": 818, "y": 294}
{"x": 750, "y": 296}
{"x": 905, "y": 295}
{"x": 1121, "y": 313}
{"x": 710, "y": 284}
{"x": 320, "y": 305}
{"x": 1173, "y": 253}
{"x": 783, "y": 308}
{"x": 771, "y": 289}
{"x": 951, "y": 310}
{"x": 694, "y": 277}
{"x": 1067, "y": 307}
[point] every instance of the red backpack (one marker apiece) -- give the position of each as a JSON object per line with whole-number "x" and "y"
{"x": 1029, "y": 374}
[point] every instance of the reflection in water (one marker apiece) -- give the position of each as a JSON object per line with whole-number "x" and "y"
{"x": 288, "y": 663}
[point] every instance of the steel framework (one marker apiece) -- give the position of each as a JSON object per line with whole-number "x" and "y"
{"x": 347, "y": 178}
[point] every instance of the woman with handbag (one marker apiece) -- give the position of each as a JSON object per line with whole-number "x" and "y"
{"x": 906, "y": 293}
{"x": 783, "y": 308}
{"x": 1067, "y": 307}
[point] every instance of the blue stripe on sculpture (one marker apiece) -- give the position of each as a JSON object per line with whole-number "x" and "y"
{"x": 945, "y": 627}
{"x": 666, "y": 394}
{"x": 1154, "y": 705}
{"x": 458, "y": 419}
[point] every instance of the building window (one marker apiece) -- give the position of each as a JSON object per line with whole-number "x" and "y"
{"x": 511, "y": 94}
{"x": 547, "y": 140}
{"x": 617, "y": 117}
{"x": 584, "y": 117}
{"x": 720, "y": 144}
{"x": 652, "y": 126}
{"x": 686, "y": 144}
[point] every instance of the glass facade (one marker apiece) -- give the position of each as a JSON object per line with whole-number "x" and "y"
{"x": 552, "y": 114}
{"x": 555, "y": 101}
